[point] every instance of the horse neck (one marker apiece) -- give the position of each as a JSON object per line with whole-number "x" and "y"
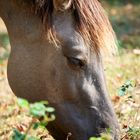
{"x": 19, "y": 20}
{"x": 11, "y": 12}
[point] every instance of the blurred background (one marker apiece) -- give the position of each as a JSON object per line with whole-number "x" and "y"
{"x": 122, "y": 71}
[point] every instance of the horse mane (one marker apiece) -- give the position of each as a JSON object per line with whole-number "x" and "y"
{"x": 90, "y": 20}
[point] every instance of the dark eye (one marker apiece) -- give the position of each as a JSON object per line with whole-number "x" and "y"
{"x": 75, "y": 62}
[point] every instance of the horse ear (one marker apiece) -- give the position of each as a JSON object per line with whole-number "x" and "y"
{"x": 62, "y": 5}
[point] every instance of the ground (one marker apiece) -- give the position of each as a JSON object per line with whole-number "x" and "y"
{"x": 122, "y": 75}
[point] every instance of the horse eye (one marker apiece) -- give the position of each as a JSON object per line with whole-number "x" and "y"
{"x": 75, "y": 62}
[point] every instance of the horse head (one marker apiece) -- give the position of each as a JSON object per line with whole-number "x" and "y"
{"x": 63, "y": 63}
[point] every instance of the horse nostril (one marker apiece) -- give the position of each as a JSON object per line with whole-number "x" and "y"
{"x": 95, "y": 110}
{"x": 102, "y": 125}
{"x": 93, "y": 107}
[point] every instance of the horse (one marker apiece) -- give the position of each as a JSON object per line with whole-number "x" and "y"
{"x": 56, "y": 55}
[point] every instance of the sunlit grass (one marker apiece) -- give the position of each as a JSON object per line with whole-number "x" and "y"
{"x": 122, "y": 68}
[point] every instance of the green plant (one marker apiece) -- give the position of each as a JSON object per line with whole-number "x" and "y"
{"x": 130, "y": 131}
{"x": 41, "y": 114}
{"x": 104, "y": 136}
{"x": 125, "y": 88}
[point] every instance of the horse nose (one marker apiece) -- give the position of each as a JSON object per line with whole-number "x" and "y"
{"x": 103, "y": 125}
{"x": 97, "y": 113}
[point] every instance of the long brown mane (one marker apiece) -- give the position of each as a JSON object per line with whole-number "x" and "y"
{"x": 90, "y": 21}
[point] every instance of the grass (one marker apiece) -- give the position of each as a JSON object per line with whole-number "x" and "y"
{"x": 16, "y": 122}
{"x": 125, "y": 19}
{"x": 119, "y": 71}
{"x": 122, "y": 68}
